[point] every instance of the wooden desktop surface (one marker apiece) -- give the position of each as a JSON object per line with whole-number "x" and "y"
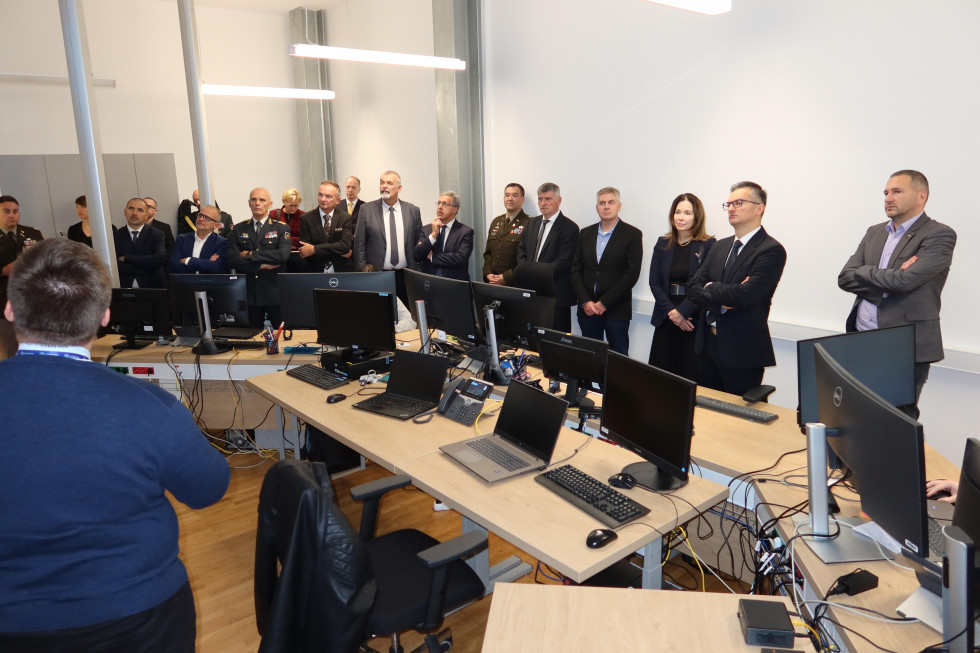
{"x": 527, "y": 617}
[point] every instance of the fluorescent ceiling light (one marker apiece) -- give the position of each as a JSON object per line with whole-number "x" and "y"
{"x": 708, "y": 7}
{"x": 267, "y": 91}
{"x": 374, "y": 56}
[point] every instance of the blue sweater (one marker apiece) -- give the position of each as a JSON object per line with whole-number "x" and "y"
{"x": 87, "y": 534}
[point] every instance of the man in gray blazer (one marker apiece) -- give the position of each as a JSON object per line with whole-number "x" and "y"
{"x": 899, "y": 270}
{"x": 387, "y": 229}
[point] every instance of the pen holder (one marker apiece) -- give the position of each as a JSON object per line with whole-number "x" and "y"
{"x": 272, "y": 347}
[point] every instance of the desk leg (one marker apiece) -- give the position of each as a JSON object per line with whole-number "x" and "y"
{"x": 652, "y": 571}
{"x": 503, "y": 572}
{"x": 280, "y": 417}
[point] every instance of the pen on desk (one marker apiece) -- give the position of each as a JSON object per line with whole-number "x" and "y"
{"x": 279, "y": 330}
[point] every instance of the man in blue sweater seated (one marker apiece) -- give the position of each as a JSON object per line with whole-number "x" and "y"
{"x": 88, "y": 538}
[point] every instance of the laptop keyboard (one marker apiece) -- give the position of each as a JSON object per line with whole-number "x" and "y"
{"x": 498, "y": 454}
{"x": 401, "y": 403}
{"x": 936, "y": 544}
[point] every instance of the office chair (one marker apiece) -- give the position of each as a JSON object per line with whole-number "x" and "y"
{"x": 337, "y": 588}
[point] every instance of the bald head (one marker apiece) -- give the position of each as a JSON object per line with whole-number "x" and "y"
{"x": 259, "y": 201}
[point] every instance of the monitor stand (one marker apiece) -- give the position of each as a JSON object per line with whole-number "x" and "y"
{"x": 847, "y": 545}
{"x": 208, "y": 345}
{"x": 493, "y": 372}
{"x": 652, "y": 478}
{"x": 130, "y": 342}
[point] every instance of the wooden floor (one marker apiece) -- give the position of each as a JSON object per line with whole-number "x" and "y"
{"x": 218, "y": 543}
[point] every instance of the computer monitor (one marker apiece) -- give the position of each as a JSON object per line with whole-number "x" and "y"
{"x": 140, "y": 315}
{"x": 371, "y": 332}
{"x": 650, "y": 412}
{"x": 536, "y": 276}
{"x": 882, "y": 359}
{"x": 578, "y": 361}
{"x": 296, "y": 292}
{"x": 516, "y": 312}
{"x": 227, "y": 299}
{"x": 883, "y": 448}
{"x": 448, "y": 305}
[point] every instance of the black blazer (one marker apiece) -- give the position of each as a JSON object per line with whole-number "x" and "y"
{"x": 328, "y": 248}
{"x": 23, "y": 237}
{"x": 743, "y": 330}
{"x": 611, "y": 279}
{"x": 559, "y": 249}
{"x": 272, "y": 245}
{"x": 168, "y": 235}
{"x": 144, "y": 259}
{"x": 660, "y": 278}
{"x": 357, "y": 208}
{"x": 454, "y": 260}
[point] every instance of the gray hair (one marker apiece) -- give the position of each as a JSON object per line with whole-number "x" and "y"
{"x": 452, "y": 195}
{"x": 607, "y": 190}
{"x": 548, "y": 187}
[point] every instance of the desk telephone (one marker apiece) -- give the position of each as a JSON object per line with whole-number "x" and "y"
{"x": 463, "y": 400}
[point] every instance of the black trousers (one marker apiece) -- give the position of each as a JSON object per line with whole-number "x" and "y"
{"x": 714, "y": 374}
{"x": 169, "y": 627}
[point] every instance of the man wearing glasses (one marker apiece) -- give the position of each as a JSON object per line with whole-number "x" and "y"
{"x": 735, "y": 286}
{"x": 203, "y": 251}
{"x": 445, "y": 246}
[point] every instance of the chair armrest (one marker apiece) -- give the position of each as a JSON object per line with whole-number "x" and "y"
{"x": 370, "y": 493}
{"x": 457, "y": 548}
{"x": 374, "y": 489}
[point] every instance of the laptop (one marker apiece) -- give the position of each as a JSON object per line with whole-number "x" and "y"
{"x": 523, "y": 439}
{"x": 414, "y": 386}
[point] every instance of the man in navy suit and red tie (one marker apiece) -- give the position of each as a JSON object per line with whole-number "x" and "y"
{"x": 735, "y": 286}
{"x": 203, "y": 251}
{"x": 445, "y": 246}
{"x": 606, "y": 267}
{"x": 140, "y": 249}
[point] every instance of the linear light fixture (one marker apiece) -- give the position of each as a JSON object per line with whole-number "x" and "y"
{"x": 374, "y": 56}
{"x": 268, "y": 91}
{"x": 707, "y": 7}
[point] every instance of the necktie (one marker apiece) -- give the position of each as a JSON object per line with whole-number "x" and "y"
{"x": 394, "y": 236}
{"x": 732, "y": 255}
{"x": 326, "y": 225}
{"x": 440, "y": 241}
{"x": 136, "y": 235}
{"x": 544, "y": 225}
{"x": 350, "y": 207}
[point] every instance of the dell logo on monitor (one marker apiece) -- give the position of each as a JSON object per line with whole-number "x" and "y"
{"x": 838, "y": 396}
{"x": 426, "y": 285}
{"x": 334, "y": 282}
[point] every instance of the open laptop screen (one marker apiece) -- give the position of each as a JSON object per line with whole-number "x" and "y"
{"x": 417, "y": 375}
{"x": 531, "y": 419}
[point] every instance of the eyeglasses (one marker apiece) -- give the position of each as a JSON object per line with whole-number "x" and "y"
{"x": 208, "y": 218}
{"x": 737, "y": 204}
{"x": 444, "y": 204}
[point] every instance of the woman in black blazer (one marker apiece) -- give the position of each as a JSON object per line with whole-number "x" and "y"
{"x": 81, "y": 232}
{"x": 676, "y": 258}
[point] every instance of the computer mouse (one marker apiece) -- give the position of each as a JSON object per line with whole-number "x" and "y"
{"x": 600, "y": 537}
{"x": 622, "y": 480}
{"x": 942, "y": 494}
{"x": 334, "y": 398}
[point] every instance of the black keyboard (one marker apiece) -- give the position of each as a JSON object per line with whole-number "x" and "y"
{"x": 738, "y": 410}
{"x": 498, "y": 454}
{"x": 936, "y": 544}
{"x": 401, "y": 403}
{"x": 593, "y": 496}
{"x": 242, "y": 344}
{"x": 316, "y": 375}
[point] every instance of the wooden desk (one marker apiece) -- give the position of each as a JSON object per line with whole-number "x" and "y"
{"x": 554, "y": 618}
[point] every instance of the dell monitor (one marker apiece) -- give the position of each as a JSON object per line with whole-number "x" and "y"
{"x": 882, "y": 359}
{"x": 578, "y": 361}
{"x": 227, "y": 296}
{"x": 371, "y": 332}
{"x": 650, "y": 412}
{"x": 448, "y": 305}
{"x": 517, "y": 311}
{"x": 883, "y": 448}
{"x": 140, "y": 316}
{"x": 296, "y": 292}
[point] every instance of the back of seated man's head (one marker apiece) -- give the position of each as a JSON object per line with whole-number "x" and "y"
{"x": 58, "y": 293}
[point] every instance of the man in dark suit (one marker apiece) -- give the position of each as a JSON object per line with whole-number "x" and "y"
{"x": 353, "y": 204}
{"x": 735, "y": 285}
{"x": 504, "y": 238}
{"x": 14, "y": 239}
{"x": 387, "y": 229}
{"x": 163, "y": 227}
{"x": 259, "y": 248}
{"x": 327, "y": 234}
{"x": 899, "y": 270}
{"x": 551, "y": 238}
{"x": 445, "y": 246}
{"x": 606, "y": 266}
{"x": 140, "y": 250}
{"x": 203, "y": 251}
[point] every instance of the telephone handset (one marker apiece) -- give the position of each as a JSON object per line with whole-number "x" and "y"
{"x": 463, "y": 400}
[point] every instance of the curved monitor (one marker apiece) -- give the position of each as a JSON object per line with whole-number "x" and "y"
{"x": 650, "y": 412}
{"x": 296, "y": 291}
{"x": 227, "y": 299}
{"x": 883, "y": 448}
{"x": 448, "y": 304}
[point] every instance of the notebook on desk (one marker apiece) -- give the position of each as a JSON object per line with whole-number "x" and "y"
{"x": 523, "y": 439}
{"x": 414, "y": 386}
